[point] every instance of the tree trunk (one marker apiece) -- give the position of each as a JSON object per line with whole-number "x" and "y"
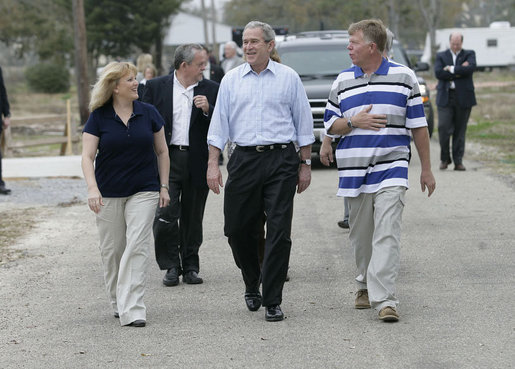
{"x": 204, "y": 21}
{"x": 214, "y": 47}
{"x": 431, "y": 14}
{"x": 393, "y": 18}
{"x": 81, "y": 59}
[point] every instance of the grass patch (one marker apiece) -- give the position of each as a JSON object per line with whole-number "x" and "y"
{"x": 492, "y": 120}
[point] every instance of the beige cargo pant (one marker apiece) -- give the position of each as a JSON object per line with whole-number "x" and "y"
{"x": 375, "y": 233}
{"x": 125, "y": 229}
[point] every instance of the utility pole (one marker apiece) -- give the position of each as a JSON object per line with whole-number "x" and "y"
{"x": 213, "y": 30}
{"x": 81, "y": 59}
{"x": 204, "y": 21}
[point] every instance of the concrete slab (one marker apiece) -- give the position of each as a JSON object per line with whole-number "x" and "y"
{"x": 43, "y": 166}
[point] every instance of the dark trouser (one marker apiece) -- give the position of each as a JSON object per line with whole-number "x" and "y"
{"x": 2, "y": 183}
{"x": 452, "y": 121}
{"x": 178, "y": 227}
{"x": 257, "y": 183}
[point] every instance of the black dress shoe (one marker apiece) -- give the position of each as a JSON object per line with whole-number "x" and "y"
{"x": 192, "y": 277}
{"x": 274, "y": 313}
{"x": 171, "y": 277}
{"x": 460, "y": 167}
{"x": 253, "y": 300}
{"x": 137, "y": 323}
{"x": 343, "y": 223}
{"x": 4, "y": 191}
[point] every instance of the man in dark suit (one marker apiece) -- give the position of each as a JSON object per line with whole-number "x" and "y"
{"x": 5, "y": 120}
{"x": 213, "y": 71}
{"x": 455, "y": 98}
{"x": 186, "y": 102}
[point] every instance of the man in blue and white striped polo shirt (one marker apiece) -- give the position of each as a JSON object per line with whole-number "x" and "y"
{"x": 375, "y": 105}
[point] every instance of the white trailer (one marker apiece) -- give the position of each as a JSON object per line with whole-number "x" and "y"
{"x": 494, "y": 45}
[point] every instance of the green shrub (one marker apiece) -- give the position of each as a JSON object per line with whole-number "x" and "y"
{"x": 48, "y": 78}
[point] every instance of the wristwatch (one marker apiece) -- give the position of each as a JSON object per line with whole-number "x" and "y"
{"x": 349, "y": 123}
{"x": 163, "y": 185}
{"x": 307, "y": 161}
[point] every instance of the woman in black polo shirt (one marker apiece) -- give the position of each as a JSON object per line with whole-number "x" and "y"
{"x": 125, "y": 140}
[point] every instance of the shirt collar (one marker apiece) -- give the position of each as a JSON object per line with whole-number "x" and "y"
{"x": 178, "y": 83}
{"x": 455, "y": 55}
{"x": 382, "y": 70}
{"x": 108, "y": 109}
{"x": 137, "y": 107}
{"x": 247, "y": 69}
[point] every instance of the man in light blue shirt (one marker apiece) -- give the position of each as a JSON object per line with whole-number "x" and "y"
{"x": 262, "y": 107}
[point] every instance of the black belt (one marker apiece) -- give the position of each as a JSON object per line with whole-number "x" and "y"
{"x": 262, "y": 148}
{"x": 180, "y": 147}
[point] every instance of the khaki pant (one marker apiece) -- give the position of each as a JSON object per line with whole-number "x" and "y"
{"x": 125, "y": 230}
{"x": 375, "y": 233}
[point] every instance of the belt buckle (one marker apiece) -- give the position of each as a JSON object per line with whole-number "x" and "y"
{"x": 260, "y": 148}
{"x": 182, "y": 148}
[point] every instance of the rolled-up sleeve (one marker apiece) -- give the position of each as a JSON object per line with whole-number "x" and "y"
{"x": 332, "y": 109}
{"x": 218, "y": 133}
{"x": 301, "y": 114}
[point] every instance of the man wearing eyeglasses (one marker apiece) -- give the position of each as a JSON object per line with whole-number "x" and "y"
{"x": 262, "y": 107}
{"x": 186, "y": 101}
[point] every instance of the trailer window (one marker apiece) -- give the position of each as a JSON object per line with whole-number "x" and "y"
{"x": 491, "y": 42}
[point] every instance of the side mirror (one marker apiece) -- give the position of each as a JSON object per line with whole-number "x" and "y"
{"x": 421, "y": 66}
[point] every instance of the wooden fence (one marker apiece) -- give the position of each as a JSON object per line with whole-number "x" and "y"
{"x": 69, "y": 140}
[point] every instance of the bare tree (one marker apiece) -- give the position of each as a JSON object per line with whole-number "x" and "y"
{"x": 393, "y": 17}
{"x": 213, "y": 30}
{"x": 204, "y": 21}
{"x": 431, "y": 12}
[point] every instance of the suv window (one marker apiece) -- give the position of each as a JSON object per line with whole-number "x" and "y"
{"x": 326, "y": 60}
{"x": 316, "y": 60}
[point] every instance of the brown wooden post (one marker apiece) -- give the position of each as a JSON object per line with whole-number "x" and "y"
{"x": 68, "y": 128}
{"x": 74, "y": 136}
{"x": 66, "y": 147}
{"x": 6, "y": 143}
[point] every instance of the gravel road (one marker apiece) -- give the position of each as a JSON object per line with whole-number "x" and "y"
{"x": 43, "y": 192}
{"x": 455, "y": 288}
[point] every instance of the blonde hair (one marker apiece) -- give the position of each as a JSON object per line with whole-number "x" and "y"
{"x": 107, "y": 82}
{"x": 142, "y": 62}
{"x": 152, "y": 68}
{"x": 373, "y": 31}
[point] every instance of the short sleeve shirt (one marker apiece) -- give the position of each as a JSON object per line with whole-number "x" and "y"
{"x": 126, "y": 162}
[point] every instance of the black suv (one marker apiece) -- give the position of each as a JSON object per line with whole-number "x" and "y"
{"x": 319, "y": 56}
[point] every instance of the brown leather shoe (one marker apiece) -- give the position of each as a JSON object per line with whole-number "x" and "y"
{"x": 444, "y": 165}
{"x": 460, "y": 167}
{"x": 388, "y": 314}
{"x": 362, "y": 301}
